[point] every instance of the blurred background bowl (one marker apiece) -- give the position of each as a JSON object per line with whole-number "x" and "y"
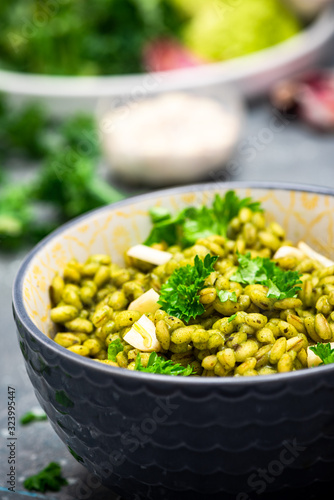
{"x": 253, "y": 75}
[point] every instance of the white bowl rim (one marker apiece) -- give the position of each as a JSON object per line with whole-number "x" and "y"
{"x": 107, "y": 370}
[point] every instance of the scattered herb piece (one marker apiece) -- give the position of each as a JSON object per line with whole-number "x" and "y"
{"x": 231, "y": 318}
{"x": 114, "y": 348}
{"x": 325, "y": 353}
{"x": 224, "y": 295}
{"x": 281, "y": 284}
{"x": 32, "y": 416}
{"x": 157, "y": 364}
{"x": 179, "y": 296}
{"x": 193, "y": 223}
{"x": 49, "y": 478}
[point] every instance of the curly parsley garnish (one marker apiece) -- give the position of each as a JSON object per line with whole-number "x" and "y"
{"x": 263, "y": 271}
{"x": 325, "y": 353}
{"x": 157, "y": 364}
{"x": 179, "y": 296}
{"x": 49, "y": 478}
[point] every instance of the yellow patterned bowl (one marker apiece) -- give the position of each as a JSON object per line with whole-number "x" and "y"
{"x": 155, "y": 436}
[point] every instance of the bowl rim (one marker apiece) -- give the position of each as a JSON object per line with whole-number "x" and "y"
{"x": 107, "y": 370}
{"x": 311, "y": 38}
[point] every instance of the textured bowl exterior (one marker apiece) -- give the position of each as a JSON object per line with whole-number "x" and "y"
{"x": 159, "y": 437}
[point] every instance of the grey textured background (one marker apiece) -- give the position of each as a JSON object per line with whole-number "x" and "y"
{"x": 295, "y": 153}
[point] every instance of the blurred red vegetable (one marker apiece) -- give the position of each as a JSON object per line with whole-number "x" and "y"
{"x": 166, "y": 54}
{"x": 311, "y": 97}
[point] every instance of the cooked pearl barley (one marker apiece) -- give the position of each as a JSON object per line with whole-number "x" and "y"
{"x": 98, "y": 302}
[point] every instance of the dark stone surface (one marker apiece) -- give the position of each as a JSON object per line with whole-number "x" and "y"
{"x": 294, "y": 153}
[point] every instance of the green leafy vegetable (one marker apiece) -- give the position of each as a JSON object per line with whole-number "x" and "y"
{"x": 193, "y": 223}
{"x": 179, "y": 296}
{"x": 231, "y": 318}
{"x": 157, "y": 364}
{"x": 114, "y": 348}
{"x": 22, "y": 130}
{"x": 66, "y": 183}
{"x": 224, "y": 295}
{"x": 49, "y": 478}
{"x": 70, "y": 37}
{"x": 32, "y": 416}
{"x": 159, "y": 214}
{"x": 281, "y": 284}
{"x": 325, "y": 353}
{"x": 225, "y": 209}
{"x": 165, "y": 228}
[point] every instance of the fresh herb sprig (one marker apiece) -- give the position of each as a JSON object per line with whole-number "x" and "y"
{"x": 49, "y": 478}
{"x": 179, "y": 296}
{"x": 193, "y": 223}
{"x": 114, "y": 348}
{"x": 281, "y": 284}
{"x": 156, "y": 364}
{"x": 325, "y": 353}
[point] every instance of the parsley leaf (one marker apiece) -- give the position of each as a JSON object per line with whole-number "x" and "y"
{"x": 197, "y": 222}
{"x": 157, "y": 364}
{"x": 159, "y": 214}
{"x": 179, "y": 296}
{"x": 49, "y": 478}
{"x": 231, "y": 318}
{"x": 32, "y": 416}
{"x": 225, "y": 209}
{"x": 114, "y": 348}
{"x": 325, "y": 353}
{"x": 165, "y": 227}
{"x": 224, "y": 295}
{"x": 281, "y": 284}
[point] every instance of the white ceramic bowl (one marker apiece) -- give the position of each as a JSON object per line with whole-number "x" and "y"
{"x": 252, "y": 75}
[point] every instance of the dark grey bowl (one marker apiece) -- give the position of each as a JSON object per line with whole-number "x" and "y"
{"x": 159, "y": 437}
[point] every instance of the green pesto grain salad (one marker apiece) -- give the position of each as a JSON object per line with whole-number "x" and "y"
{"x": 214, "y": 291}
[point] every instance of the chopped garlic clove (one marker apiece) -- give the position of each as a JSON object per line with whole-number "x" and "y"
{"x": 287, "y": 250}
{"x": 146, "y": 303}
{"x": 312, "y": 254}
{"x": 142, "y": 335}
{"x": 148, "y": 254}
{"x": 313, "y": 359}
